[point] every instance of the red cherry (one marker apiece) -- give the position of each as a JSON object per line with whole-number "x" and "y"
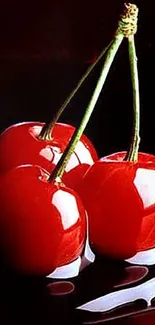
{"x": 19, "y": 145}
{"x": 42, "y": 223}
{"x": 146, "y": 239}
{"x": 114, "y": 205}
{"x": 74, "y": 176}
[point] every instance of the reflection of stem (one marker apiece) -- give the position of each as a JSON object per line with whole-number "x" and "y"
{"x": 132, "y": 154}
{"x": 46, "y": 132}
{"x": 61, "y": 165}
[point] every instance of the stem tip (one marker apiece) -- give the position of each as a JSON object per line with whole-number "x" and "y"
{"x": 128, "y": 20}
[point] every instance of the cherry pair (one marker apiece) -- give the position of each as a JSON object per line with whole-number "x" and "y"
{"x": 43, "y": 221}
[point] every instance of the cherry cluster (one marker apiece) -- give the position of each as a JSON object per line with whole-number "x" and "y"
{"x": 43, "y": 223}
{"x": 52, "y": 178}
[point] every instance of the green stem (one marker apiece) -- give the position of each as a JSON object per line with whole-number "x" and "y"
{"x": 132, "y": 153}
{"x": 46, "y": 132}
{"x": 60, "y": 167}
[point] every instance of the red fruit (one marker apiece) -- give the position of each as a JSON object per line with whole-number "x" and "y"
{"x": 74, "y": 176}
{"x": 19, "y": 145}
{"x": 111, "y": 196}
{"x": 42, "y": 224}
{"x": 146, "y": 187}
{"x": 146, "y": 239}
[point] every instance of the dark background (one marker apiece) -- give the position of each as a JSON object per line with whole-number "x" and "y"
{"x": 45, "y": 49}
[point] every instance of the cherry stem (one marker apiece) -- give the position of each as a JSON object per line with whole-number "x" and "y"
{"x": 61, "y": 165}
{"x": 132, "y": 153}
{"x": 46, "y": 132}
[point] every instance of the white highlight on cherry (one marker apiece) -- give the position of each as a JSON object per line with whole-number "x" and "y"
{"x": 143, "y": 258}
{"x": 145, "y": 184}
{"x": 72, "y": 270}
{"x": 68, "y": 210}
{"x": 84, "y": 153}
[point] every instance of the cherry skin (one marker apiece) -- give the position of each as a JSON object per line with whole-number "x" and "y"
{"x": 19, "y": 145}
{"x": 142, "y": 157}
{"x": 115, "y": 207}
{"x": 146, "y": 239}
{"x": 42, "y": 224}
{"x": 74, "y": 176}
{"x": 145, "y": 184}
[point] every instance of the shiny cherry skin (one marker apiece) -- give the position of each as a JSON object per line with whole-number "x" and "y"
{"x": 42, "y": 224}
{"x": 19, "y": 144}
{"x": 142, "y": 157}
{"x": 146, "y": 239}
{"x": 111, "y": 196}
{"x": 74, "y": 176}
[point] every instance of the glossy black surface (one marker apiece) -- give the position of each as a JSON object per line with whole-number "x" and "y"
{"x": 46, "y": 301}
